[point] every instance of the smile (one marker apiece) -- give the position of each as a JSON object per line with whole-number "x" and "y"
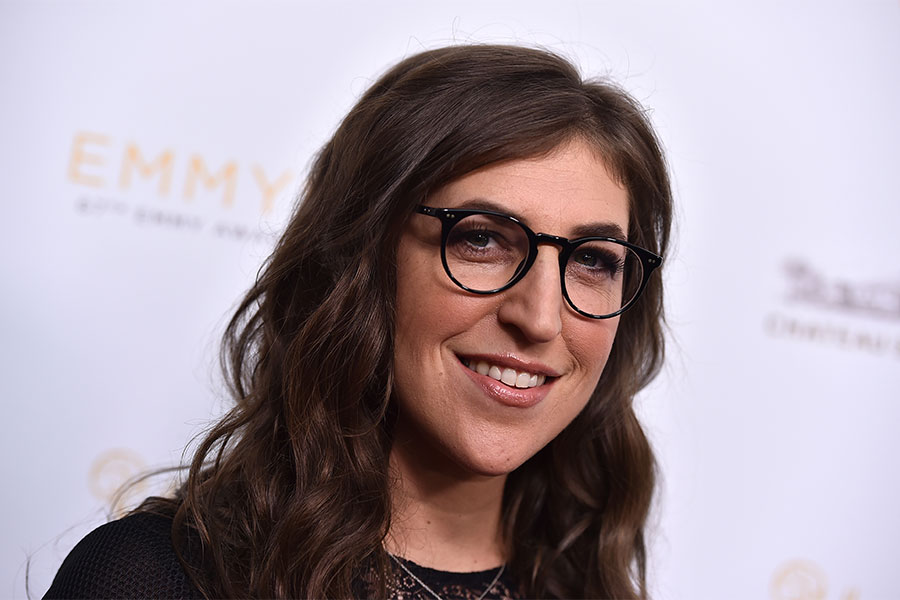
{"x": 505, "y": 375}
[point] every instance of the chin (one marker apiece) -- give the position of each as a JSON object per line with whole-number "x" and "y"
{"x": 493, "y": 464}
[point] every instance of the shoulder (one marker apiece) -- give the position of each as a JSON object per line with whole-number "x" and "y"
{"x": 129, "y": 558}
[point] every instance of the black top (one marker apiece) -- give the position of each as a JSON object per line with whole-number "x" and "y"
{"x": 134, "y": 558}
{"x": 129, "y": 558}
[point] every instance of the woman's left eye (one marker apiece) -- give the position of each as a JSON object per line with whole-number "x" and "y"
{"x": 598, "y": 260}
{"x": 588, "y": 259}
{"x": 479, "y": 239}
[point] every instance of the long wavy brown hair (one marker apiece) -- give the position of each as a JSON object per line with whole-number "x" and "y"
{"x": 289, "y": 493}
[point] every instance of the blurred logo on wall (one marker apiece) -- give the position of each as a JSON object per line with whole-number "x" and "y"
{"x": 160, "y": 187}
{"x": 823, "y": 309}
{"x": 803, "y": 580}
{"x": 111, "y": 479}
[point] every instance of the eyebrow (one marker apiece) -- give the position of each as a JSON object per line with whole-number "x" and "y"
{"x": 595, "y": 229}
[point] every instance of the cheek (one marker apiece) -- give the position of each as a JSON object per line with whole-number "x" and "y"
{"x": 591, "y": 343}
{"x": 430, "y": 309}
{"x": 427, "y": 313}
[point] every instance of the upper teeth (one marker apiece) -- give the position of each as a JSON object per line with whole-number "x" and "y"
{"x": 511, "y": 377}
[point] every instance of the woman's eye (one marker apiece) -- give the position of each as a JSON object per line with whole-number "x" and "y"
{"x": 598, "y": 261}
{"x": 588, "y": 259}
{"x": 479, "y": 239}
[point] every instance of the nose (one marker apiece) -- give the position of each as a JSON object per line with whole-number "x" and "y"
{"x": 534, "y": 305}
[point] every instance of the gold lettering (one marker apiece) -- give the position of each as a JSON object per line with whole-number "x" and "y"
{"x": 197, "y": 170}
{"x": 133, "y": 158}
{"x": 80, "y": 156}
{"x": 269, "y": 191}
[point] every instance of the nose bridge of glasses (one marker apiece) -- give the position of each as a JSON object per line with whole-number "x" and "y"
{"x": 546, "y": 238}
{"x": 564, "y": 245}
{"x": 539, "y": 239}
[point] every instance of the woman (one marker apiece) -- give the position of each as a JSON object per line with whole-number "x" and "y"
{"x": 434, "y": 372}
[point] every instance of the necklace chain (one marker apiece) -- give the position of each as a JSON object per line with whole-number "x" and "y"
{"x": 435, "y": 594}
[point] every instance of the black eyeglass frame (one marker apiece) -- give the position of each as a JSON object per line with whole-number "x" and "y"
{"x": 449, "y": 217}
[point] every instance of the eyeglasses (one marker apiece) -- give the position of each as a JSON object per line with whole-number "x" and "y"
{"x": 486, "y": 252}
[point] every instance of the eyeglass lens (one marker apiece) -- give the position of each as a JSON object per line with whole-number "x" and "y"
{"x": 485, "y": 252}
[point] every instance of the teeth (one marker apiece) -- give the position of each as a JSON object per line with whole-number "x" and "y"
{"x": 511, "y": 377}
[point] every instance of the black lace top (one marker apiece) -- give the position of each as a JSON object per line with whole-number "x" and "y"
{"x": 134, "y": 558}
{"x": 466, "y": 586}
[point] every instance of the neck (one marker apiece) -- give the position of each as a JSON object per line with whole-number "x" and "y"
{"x": 443, "y": 518}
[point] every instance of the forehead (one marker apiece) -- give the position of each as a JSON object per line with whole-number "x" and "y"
{"x": 555, "y": 193}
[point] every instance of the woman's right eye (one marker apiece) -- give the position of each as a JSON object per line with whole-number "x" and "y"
{"x": 474, "y": 238}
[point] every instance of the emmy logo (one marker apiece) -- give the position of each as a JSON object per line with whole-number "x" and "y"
{"x": 97, "y": 161}
{"x": 112, "y": 470}
{"x": 798, "y": 580}
{"x": 803, "y": 580}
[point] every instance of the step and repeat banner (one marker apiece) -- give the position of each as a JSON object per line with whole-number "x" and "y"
{"x": 152, "y": 152}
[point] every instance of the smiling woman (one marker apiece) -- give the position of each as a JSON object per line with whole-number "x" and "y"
{"x": 434, "y": 372}
{"x": 488, "y": 424}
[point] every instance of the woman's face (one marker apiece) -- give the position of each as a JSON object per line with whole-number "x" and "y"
{"x": 450, "y": 413}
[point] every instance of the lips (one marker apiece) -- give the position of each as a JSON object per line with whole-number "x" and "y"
{"x": 536, "y": 380}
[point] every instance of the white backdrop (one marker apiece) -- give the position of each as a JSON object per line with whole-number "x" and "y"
{"x": 151, "y": 150}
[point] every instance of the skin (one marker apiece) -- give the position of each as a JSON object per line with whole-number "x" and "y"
{"x": 460, "y": 434}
